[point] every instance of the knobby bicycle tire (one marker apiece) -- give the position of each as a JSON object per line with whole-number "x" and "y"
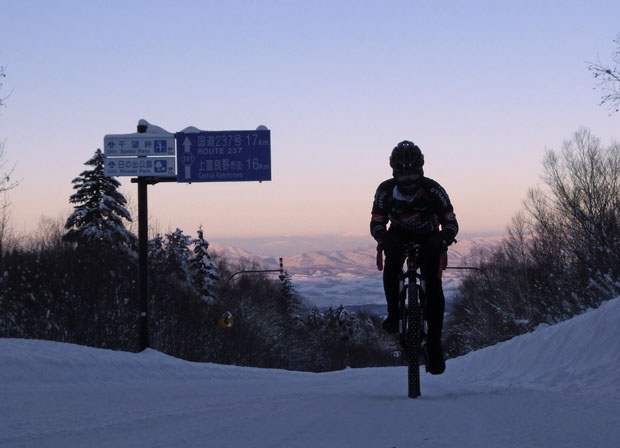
{"x": 411, "y": 324}
{"x": 413, "y": 345}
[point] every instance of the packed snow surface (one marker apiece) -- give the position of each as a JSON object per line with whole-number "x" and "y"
{"x": 558, "y": 386}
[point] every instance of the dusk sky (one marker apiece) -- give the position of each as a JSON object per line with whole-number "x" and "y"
{"x": 483, "y": 87}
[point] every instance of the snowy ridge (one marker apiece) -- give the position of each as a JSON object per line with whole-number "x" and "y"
{"x": 358, "y": 262}
{"x": 350, "y": 277}
{"x": 555, "y": 387}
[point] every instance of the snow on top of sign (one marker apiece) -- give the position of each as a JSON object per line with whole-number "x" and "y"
{"x": 191, "y": 130}
{"x": 153, "y": 129}
{"x": 195, "y": 130}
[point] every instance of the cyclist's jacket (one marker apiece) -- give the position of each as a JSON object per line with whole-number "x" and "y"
{"x": 418, "y": 215}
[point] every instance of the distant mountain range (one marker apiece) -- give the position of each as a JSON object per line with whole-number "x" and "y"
{"x": 355, "y": 262}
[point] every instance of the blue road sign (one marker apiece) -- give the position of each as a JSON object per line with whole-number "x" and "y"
{"x": 223, "y": 156}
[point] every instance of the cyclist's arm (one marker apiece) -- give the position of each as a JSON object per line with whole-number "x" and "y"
{"x": 445, "y": 213}
{"x": 380, "y": 215}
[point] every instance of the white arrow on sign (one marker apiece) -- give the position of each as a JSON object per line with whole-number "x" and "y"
{"x": 187, "y": 146}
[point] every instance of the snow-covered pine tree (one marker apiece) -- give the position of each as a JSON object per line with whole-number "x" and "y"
{"x": 156, "y": 251}
{"x": 102, "y": 268}
{"x": 99, "y": 210}
{"x": 290, "y": 303}
{"x": 205, "y": 275}
{"x": 288, "y": 289}
{"x": 178, "y": 255}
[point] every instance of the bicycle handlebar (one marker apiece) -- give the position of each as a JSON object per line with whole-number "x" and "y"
{"x": 380, "y": 263}
{"x": 408, "y": 248}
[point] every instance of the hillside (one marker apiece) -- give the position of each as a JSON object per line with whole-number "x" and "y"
{"x": 356, "y": 262}
{"x": 350, "y": 277}
{"x": 555, "y": 387}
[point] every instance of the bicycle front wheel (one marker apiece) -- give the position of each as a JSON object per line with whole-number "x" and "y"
{"x": 413, "y": 348}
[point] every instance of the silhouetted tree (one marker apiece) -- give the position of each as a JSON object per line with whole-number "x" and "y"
{"x": 562, "y": 254}
{"x": 204, "y": 273}
{"x": 99, "y": 210}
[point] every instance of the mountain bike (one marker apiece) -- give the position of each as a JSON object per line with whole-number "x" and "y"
{"x": 412, "y": 328}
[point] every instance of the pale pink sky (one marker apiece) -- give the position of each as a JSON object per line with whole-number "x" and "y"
{"x": 483, "y": 89}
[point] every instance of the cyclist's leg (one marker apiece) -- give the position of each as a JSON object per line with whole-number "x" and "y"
{"x": 435, "y": 304}
{"x": 435, "y": 300}
{"x": 394, "y": 257}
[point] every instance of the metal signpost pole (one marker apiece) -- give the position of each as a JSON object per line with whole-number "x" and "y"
{"x": 143, "y": 253}
{"x": 143, "y": 269}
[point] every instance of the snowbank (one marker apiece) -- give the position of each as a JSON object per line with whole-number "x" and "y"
{"x": 36, "y": 363}
{"x": 579, "y": 355}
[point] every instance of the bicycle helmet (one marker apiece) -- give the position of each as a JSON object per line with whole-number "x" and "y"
{"x": 407, "y": 157}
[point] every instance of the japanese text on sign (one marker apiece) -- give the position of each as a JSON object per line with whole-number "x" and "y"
{"x": 138, "y": 145}
{"x": 220, "y": 156}
{"x": 134, "y": 166}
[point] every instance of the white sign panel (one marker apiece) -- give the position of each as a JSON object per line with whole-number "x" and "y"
{"x": 138, "y": 145}
{"x": 140, "y": 166}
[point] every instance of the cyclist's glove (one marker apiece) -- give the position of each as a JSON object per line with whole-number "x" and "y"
{"x": 381, "y": 235}
{"x": 447, "y": 237}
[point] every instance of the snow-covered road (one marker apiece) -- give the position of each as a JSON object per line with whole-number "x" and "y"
{"x": 555, "y": 387}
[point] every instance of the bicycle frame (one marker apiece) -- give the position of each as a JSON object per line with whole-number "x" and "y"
{"x": 413, "y": 327}
{"x": 412, "y": 306}
{"x": 412, "y": 322}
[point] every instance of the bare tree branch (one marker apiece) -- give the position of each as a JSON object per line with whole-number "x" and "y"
{"x": 2, "y": 75}
{"x": 608, "y": 79}
{"x": 6, "y": 180}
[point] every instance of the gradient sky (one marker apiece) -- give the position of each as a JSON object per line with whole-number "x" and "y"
{"x": 483, "y": 87}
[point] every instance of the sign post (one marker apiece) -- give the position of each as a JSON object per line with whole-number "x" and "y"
{"x": 201, "y": 156}
{"x": 143, "y": 264}
{"x": 148, "y": 154}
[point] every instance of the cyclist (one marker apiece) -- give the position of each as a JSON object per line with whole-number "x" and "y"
{"x": 418, "y": 210}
